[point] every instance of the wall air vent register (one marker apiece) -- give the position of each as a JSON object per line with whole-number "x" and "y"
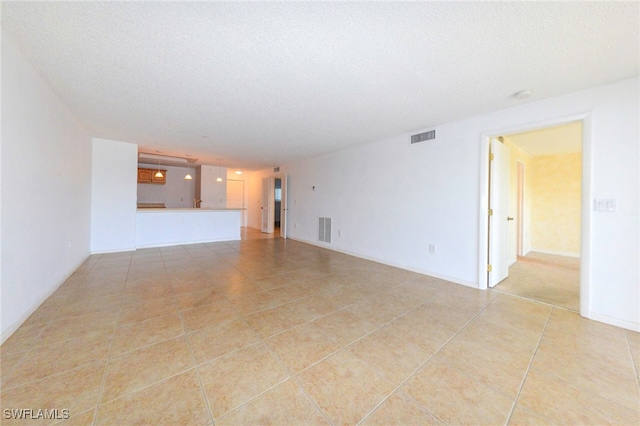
{"x": 421, "y": 137}
{"x": 324, "y": 229}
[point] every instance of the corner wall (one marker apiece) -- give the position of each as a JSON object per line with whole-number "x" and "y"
{"x": 113, "y": 196}
{"x": 390, "y": 200}
{"x": 46, "y": 190}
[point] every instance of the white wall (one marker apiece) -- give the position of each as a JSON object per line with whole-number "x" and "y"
{"x": 233, "y": 195}
{"x": 167, "y": 227}
{"x": 46, "y": 190}
{"x": 390, "y": 199}
{"x": 113, "y": 196}
{"x": 253, "y": 183}
{"x": 175, "y": 193}
{"x": 213, "y": 194}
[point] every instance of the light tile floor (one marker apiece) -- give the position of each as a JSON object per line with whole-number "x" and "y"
{"x": 546, "y": 278}
{"x": 268, "y": 331}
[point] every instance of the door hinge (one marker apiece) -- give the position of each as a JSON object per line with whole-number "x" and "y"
{"x": 489, "y": 268}
{"x": 490, "y": 212}
{"x": 490, "y": 157}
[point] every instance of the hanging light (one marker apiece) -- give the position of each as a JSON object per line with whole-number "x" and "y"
{"x": 188, "y": 175}
{"x": 219, "y": 177}
{"x": 159, "y": 173}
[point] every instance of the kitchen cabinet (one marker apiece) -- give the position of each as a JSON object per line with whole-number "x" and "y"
{"x": 149, "y": 176}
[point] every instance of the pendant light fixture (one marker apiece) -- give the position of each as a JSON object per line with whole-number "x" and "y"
{"x": 159, "y": 173}
{"x": 219, "y": 177}
{"x": 188, "y": 175}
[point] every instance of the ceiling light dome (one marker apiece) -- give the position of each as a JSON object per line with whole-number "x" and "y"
{"x": 522, "y": 94}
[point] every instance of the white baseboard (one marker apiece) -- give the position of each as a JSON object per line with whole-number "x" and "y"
{"x": 633, "y": 326}
{"x": 22, "y": 318}
{"x": 395, "y": 265}
{"x": 120, "y": 250}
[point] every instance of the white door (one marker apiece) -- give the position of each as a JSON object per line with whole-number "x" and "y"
{"x": 268, "y": 199}
{"x": 283, "y": 207}
{"x": 498, "y": 212}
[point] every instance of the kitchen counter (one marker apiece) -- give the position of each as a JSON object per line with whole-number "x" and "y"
{"x": 176, "y": 226}
{"x": 184, "y": 209}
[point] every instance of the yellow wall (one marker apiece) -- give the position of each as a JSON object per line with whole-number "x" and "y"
{"x": 555, "y": 203}
{"x": 517, "y": 155}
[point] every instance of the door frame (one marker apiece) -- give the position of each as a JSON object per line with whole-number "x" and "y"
{"x": 498, "y": 225}
{"x": 284, "y": 205}
{"x": 266, "y": 208}
{"x": 586, "y": 213}
{"x": 520, "y": 228}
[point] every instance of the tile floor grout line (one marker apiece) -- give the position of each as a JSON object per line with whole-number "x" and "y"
{"x": 164, "y": 379}
{"x": 195, "y": 368}
{"x": 587, "y": 390}
{"x": 279, "y": 253}
{"x": 421, "y": 366}
{"x": 526, "y": 374}
{"x": 291, "y": 376}
{"x": 103, "y": 382}
{"x": 14, "y": 368}
{"x": 261, "y": 341}
{"x": 529, "y": 299}
{"x": 354, "y": 342}
{"x": 193, "y": 360}
{"x": 633, "y": 362}
{"x": 315, "y": 404}
{"x": 50, "y": 376}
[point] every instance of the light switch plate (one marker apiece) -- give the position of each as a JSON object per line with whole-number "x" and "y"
{"x": 604, "y": 205}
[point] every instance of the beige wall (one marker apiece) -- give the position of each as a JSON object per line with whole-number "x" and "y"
{"x": 555, "y": 203}
{"x": 517, "y": 155}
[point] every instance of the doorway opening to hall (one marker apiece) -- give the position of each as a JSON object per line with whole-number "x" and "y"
{"x": 535, "y": 237}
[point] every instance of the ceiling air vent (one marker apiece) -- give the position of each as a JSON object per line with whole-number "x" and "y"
{"x": 421, "y": 137}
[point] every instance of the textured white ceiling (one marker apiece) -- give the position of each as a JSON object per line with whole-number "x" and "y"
{"x": 258, "y": 84}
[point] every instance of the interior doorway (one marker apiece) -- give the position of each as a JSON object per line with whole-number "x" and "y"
{"x": 545, "y": 198}
{"x": 277, "y": 205}
{"x": 274, "y": 205}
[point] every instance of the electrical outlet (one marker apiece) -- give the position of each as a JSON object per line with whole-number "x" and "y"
{"x": 295, "y": 225}
{"x": 339, "y": 233}
{"x": 432, "y": 248}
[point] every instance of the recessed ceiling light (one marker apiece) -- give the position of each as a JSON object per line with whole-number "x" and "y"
{"x": 522, "y": 94}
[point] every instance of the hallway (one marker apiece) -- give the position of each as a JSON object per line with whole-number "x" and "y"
{"x": 545, "y": 278}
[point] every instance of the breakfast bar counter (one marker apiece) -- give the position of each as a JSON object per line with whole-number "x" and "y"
{"x": 168, "y": 227}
